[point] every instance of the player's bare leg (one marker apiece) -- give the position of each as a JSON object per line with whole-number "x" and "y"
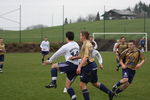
{"x": 70, "y": 90}
{"x": 85, "y": 91}
{"x": 118, "y": 84}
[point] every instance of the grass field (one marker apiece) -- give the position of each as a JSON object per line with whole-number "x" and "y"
{"x": 24, "y": 78}
{"x": 55, "y": 33}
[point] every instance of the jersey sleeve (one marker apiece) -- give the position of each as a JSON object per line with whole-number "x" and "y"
{"x": 99, "y": 57}
{"x": 95, "y": 47}
{"x": 60, "y": 52}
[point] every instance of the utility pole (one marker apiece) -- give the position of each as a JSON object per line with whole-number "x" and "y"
{"x": 20, "y": 26}
{"x": 63, "y": 25}
{"x": 104, "y": 22}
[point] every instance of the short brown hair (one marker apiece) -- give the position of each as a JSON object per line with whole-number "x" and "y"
{"x": 86, "y": 34}
{"x": 122, "y": 37}
{"x": 133, "y": 41}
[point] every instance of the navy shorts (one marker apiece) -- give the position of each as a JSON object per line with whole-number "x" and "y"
{"x": 128, "y": 73}
{"x": 89, "y": 73}
{"x": 1, "y": 58}
{"x": 45, "y": 52}
{"x": 68, "y": 68}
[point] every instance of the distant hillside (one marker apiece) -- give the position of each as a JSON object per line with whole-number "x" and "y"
{"x": 55, "y": 33}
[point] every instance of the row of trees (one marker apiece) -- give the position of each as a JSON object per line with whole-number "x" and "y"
{"x": 141, "y": 9}
{"x": 88, "y": 18}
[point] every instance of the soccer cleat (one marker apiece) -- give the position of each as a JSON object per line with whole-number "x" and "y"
{"x": 114, "y": 88}
{"x": 65, "y": 90}
{"x": 111, "y": 95}
{"x": 51, "y": 85}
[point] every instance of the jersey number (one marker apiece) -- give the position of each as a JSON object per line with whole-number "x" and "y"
{"x": 75, "y": 53}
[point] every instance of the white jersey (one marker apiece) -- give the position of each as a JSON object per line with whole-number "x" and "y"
{"x": 95, "y": 47}
{"x": 96, "y": 54}
{"x": 68, "y": 50}
{"x": 45, "y": 46}
{"x": 114, "y": 48}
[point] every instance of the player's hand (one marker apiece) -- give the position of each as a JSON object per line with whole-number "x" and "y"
{"x": 101, "y": 67}
{"x": 46, "y": 63}
{"x": 124, "y": 66}
{"x": 78, "y": 71}
{"x": 137, "y": 66}
{"x": 72, "y": 58}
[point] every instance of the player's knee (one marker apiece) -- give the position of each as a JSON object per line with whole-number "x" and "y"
{"x": 68, "y": 84}
{"x": 82, "y": 85}
{"x": 96, "y": 84}
{"x": 124, "y": 80}
{"x": 54, "y": 65}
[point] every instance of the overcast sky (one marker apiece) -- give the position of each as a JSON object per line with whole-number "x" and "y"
{"x": 44, "y": 11}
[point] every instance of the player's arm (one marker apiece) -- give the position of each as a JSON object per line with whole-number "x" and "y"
{"x": 115, "y": 49}
{"x": 75, "y": 57}
{"x": 41, "y": 45}
{"x": 142, "y": 60}
{"x": 84, "y": 59}
{"x": 95, "y": 47}
{"x": 99, "y": 58}
{"x": 121, "y": 59}
{"x": 83, "y": 62}
{"x": 60, "y": 52}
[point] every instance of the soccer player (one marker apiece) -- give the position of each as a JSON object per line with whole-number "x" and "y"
{"x": 119, "y": 48}
{"x": 88, "y": 68}
{"x": 142, "y": 44}
{"x": 45, "y": 47}
{"x": 134, "y": 60}
{"x": 97, "y": 55}
{"x": 69, "y": 67}
{"x": 2, "y": 52}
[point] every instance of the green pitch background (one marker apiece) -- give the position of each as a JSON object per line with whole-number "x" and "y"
{"x": 24, "y": 78}
{"x": 55, "y": 33}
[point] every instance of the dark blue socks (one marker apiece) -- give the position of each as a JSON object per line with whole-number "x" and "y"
{"x": 85, "y": 93}
{"x": 104, "y": 88}
{"x": 54, "y": 75}
{"x": 71, "y": 93}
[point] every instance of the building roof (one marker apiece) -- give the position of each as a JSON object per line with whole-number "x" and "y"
{"x": 123, "y": 12}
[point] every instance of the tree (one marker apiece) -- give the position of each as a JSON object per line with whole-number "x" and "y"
{"x": 90, "y": 18}
{"x": 66, "y": 21}
{"x": 97, "y": 17}
{"x": 35, "y": 27}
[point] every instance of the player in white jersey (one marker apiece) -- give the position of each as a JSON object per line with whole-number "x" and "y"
{"x": 69, "y": 67}
{"x": 95, "y": 53}
{"x": 45, "y": 47}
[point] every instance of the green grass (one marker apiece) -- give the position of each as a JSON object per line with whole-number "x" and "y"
{"x": 24, "y": 78}
{"x": 55, "y": 33}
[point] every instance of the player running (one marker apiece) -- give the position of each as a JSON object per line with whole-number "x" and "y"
{"x": 69, "y": 67}
{"x": 45, "y": 47}
{"x": 134, "y": 60}
{"x": 95, "y": 54}
{"x": 88, "y": 68}
{"x": 119, "y": 48}
{"x": 2, "y": 52}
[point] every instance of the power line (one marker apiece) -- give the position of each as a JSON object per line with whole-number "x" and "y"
{"x": 10, "y": 12}
{"x": 9, "y": 19}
